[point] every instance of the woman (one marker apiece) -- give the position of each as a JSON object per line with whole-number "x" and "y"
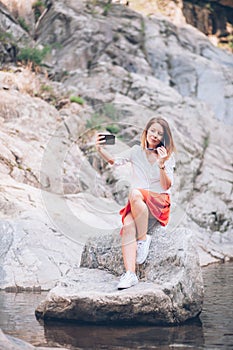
{"x": 152, "y": 165}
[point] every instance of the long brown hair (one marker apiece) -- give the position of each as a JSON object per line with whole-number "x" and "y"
{"x": 167, "y": 135}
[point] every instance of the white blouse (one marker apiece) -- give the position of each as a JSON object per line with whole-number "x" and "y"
{"x": 144, "y": 174}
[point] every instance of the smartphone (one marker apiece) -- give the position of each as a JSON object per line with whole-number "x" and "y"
{"x": 109, "y": 139}
{"x": 155, "y": 149}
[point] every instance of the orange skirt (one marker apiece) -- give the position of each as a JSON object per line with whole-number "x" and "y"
{"x": 157, "y": 203}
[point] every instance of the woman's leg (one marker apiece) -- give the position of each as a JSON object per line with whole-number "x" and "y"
{"x": 129, "y": 244}
{"x": 140, "y": 213}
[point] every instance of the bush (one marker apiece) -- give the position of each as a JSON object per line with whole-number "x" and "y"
{"x": 34, "y": 55}
{"x": 110, "y": 111}
{"x": 37, "y": 4}
{"x": 113, "y": 128}
{"x": 6, "y": 37}
{"x": 23, "y": 24}
{"x": 77, "y": 99}
{"x": 46, "y": 88}
{"x": 38, "y": 8}
{"x": 95, "y": 122}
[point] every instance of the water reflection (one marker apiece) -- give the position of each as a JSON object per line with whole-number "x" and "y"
{"x": 124, "y": 337}
{"x": 217, "y": 314}
{"x": 17, "y": 316}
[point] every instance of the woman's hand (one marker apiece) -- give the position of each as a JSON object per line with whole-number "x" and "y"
{"x": 100, "y": 141}
{"x": 162, "y": 154}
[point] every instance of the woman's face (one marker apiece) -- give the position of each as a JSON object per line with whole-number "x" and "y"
{"x": 154, "y": 135}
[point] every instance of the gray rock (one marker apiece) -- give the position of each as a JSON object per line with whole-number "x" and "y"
{"x": 8, "y": 342}
{"x": 13, "y": 36}
{"x": 187, "y": 61}
{"x": 170, "y": 289}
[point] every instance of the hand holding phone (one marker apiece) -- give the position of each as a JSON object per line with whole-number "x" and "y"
{"x": 106, "y": 139}
{"x": 156, "y": 148}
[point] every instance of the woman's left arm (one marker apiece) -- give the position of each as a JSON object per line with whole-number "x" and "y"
{"x": 165, "y": 181}
{"x": 165, "y": 168}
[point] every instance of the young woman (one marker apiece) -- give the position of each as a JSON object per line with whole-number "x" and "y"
{"x": 152, "y": 165}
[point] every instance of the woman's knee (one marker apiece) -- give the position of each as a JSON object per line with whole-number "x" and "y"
{"x": 135, "y": 197}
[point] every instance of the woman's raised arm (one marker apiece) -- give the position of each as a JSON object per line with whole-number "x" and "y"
{"x": 100, "y": 142}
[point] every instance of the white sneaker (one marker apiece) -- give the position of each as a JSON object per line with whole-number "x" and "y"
{"x": 127, "y": 280}
{"x": 143, "y": 249}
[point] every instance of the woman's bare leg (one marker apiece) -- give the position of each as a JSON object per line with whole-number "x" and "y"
{"x": 129, "y": 245}
{"x": 139, "y": 212}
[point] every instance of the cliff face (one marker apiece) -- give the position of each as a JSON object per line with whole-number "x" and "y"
{"x": 22, "y": 10}
{"x": 124, "y": 68}
{"x": 212, "y": 17}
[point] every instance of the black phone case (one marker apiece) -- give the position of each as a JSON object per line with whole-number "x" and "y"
{"x": 109, "y": 139}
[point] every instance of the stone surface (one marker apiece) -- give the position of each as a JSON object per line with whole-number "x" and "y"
{"x": 21, "y": 9}
{"x": 38, "y": 247}
{"x": 212, "y": 17}
{"x": 12, "y": 36}
{"x": 11, "y": 343}
{"x": 180, "y": 56}
{"x": 170, "y": 289}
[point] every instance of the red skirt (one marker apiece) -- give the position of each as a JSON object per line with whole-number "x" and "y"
{"x": 157, "y": 203}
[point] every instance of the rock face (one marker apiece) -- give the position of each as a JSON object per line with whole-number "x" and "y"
{"x": 210, "y": 17}
{"x": 170, "y": 289}
{"x": 41, "y": 231}
{"x": 12, "y": 36}
{"x": 178, "y": 56}
{"x": 21, "y": 9}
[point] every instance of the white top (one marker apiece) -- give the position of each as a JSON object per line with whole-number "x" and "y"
{"x": 144, "y": 174}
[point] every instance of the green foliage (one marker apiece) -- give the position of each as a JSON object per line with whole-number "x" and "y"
{"x": 95, "y": 122}
{"x": 230, "y": 41}
{"x": 37, "y": 4}
{"x": 56, "y": 45}
{"x": 5, "y": 36}
{"x": 38, "y": 7}
{"x": 206, "y": 141}
{"x": 113, "y": 128}
{"x": 23, "y": 24}
{"x": 209, "y": 7}
{"x": 33, "y": 54}
{"x": 46, "y": 88}
{"x": 107, "y": 7}
{"x": 110, "y": 111}
{"x": 106, "y": 113}
{"x": 143, "y": 27}
{"x": 77, "y": 99}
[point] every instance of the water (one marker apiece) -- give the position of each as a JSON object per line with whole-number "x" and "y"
{"x": 214, "y": 329}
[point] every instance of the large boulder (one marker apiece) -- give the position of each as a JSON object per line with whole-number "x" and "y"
{"x": 170, "y": 289}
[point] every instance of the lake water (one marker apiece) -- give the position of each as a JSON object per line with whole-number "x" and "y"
{"x": 213, "y": 330}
